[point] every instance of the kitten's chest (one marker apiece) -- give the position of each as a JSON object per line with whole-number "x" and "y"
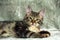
{"x": 34, "y": 29}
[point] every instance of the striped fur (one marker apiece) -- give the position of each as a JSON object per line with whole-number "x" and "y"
{"x": 29, "y": 27}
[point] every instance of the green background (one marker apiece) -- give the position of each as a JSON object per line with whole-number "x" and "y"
{"x": 11, "y": 10}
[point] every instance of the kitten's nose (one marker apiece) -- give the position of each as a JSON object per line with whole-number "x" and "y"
{"x": 33, "y": 21}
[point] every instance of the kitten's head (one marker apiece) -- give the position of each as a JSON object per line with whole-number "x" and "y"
{"x": 34, "y": 18}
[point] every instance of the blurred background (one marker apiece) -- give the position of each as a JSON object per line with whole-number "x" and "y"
{"x": 11, "y": 10}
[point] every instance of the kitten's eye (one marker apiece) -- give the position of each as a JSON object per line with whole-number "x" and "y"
{"x": 37, "y": 19}
{"x": 30, "y": 18}
{"x": 26, "y": 17}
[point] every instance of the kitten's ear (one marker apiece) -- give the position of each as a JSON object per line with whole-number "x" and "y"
{"x": 42, "y": 13}
{"x": 28, "y": 10}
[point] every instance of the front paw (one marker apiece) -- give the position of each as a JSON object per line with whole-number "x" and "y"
{"x": 44, "y": 34}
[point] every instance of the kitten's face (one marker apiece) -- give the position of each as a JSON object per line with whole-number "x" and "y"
{"x": 34, "y": 18}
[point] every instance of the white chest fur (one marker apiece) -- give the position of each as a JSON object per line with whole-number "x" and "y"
{"x": 34, "y": 29}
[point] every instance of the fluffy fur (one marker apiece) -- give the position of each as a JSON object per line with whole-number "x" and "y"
{"x": 28, "y": 27}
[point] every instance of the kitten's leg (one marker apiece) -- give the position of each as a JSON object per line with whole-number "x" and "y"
{"x": 29, "y": 34}
{"x": 42, "y": 34}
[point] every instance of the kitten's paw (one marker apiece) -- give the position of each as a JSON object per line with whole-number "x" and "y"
{"x": 44, "y": 34}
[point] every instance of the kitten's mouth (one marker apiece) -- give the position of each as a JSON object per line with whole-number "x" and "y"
{"x": 33, "y": 24}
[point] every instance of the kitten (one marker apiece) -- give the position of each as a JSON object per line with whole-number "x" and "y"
{"x": 29, "y": 27}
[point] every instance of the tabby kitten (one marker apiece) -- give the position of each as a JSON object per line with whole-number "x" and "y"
{"x": 29, "y": 27}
